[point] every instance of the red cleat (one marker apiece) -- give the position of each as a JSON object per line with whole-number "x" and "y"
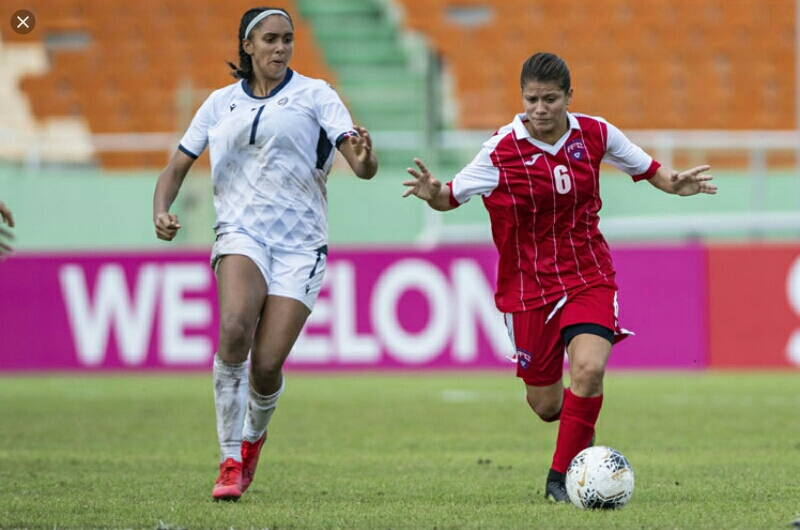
{"x": 250, "y": 453}
{"x": 229, "y": 483}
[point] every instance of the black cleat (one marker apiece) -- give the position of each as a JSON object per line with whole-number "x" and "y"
{"x": 556, "y": 488}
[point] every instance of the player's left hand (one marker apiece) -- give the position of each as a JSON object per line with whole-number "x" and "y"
{"x": 362, "y": 145}
{"x": 692, "y": 181}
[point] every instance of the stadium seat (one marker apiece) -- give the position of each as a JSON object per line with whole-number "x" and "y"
{"x": 718, "y": 64}
{"x": 712, "y": 57}
{"x": 138, "y": 61}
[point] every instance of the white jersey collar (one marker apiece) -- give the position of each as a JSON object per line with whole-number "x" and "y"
{"x": 521, "y": 133}
{"x": 286, "y": 79}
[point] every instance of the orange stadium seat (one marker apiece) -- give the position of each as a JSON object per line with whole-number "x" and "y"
{"x": 678, "y": 64}
{"x": 139, "y": 56}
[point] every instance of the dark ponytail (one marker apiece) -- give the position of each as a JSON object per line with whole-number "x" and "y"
{"x": 245, "y": 68}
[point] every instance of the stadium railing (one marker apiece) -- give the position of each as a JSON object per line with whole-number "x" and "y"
{"x": 455, "y": 148}
{"x": 756, "y": 145}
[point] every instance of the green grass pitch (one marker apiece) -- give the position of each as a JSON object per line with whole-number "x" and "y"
{"x": 378, "y": 451}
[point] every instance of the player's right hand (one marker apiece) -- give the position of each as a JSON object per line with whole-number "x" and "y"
{"x": 425, "y": 186}
{"x": 167, "y": 226}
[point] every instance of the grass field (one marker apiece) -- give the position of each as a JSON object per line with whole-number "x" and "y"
{"x": 392, "y": 452}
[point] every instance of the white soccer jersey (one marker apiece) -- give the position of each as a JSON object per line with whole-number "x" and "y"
{"x": 270, "y": 157}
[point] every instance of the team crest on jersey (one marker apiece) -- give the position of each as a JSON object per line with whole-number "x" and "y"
{"x": 523, "y": 358}
{"x": 283, "y": 101}
{"x": 576, "y": 149}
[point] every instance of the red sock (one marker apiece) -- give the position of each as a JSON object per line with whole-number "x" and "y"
{"x": 578, "y": 418}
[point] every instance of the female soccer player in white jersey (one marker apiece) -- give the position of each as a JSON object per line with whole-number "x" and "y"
{"x": 270, "y": 137}
{"x": 540, "y": 177}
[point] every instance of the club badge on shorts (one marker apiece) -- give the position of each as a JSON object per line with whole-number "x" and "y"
{"x": 523, "y": 358}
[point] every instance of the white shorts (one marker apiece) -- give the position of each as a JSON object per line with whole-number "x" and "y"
{"x": 292, "y": 273}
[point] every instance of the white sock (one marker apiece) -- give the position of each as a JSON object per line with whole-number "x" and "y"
{"x": 259, "y": 412}
{"x": 230, "y": 396}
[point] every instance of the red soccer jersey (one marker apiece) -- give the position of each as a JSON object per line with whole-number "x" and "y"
{"x": 543, "y": 202}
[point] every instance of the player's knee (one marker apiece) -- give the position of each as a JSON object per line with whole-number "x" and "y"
{"x": 265, "y": 372}
{"x": 234, "y": 336}
{"x": 548, "y": 410}
{"x": 587, "y": 377}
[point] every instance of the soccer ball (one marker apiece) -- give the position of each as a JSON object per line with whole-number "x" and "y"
{"x": 600, "y": 477}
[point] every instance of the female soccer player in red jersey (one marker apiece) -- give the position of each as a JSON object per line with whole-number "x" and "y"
{"x": 539, "y": 177}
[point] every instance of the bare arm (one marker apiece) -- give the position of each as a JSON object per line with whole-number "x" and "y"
{"x": 5, "y": 217}
{"x": 428, "y": 188}
{"x": 167, "y": 187}
{"x": 358, "y": 153}
{"x": 684, "y": 183}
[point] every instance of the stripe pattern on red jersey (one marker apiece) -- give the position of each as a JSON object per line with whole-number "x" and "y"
{"x": 543, "y": 202}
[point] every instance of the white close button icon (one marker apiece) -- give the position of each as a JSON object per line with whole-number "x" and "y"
{"x": 23, "y": 22}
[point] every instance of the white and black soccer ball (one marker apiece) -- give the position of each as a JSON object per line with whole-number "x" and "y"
{"x": 600, "y": 477}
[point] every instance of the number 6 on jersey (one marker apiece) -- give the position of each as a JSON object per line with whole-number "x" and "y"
{"x": 562, "y": 178}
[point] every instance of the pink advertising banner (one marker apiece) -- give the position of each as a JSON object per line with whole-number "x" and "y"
{"x": 378, "y": 309}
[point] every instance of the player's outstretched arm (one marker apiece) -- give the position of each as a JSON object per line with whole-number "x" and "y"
{"x": 427, "y": 187}
{"x": 167, "y": 187}
{"x": 684, "y": 183}
{"x": 357, "y": 150}
{"x": 7, "y": 217}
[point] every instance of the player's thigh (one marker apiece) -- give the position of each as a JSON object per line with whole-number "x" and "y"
{"x": 296, "y": 280}
{"x": 588, "y": 353}
{"x": 241, "y": 267}
{"x": 241, "y": 292}
{"x": 282, "y": 320}
{"x": 240, "y": 284}
{"x": 588, "y": 324}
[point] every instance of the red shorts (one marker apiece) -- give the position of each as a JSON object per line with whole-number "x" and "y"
{"x": 537, "y": 338}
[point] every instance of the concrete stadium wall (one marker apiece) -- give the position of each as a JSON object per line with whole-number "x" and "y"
{"x": 84, "y": 209}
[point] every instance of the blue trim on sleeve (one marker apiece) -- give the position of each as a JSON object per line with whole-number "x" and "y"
{"x": 324, "y": 149}
{"x": 344, "y": 135}
{"x": 186, "y": 152}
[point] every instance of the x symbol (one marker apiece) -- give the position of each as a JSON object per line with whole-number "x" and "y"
{"x": 22, "y": 21}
